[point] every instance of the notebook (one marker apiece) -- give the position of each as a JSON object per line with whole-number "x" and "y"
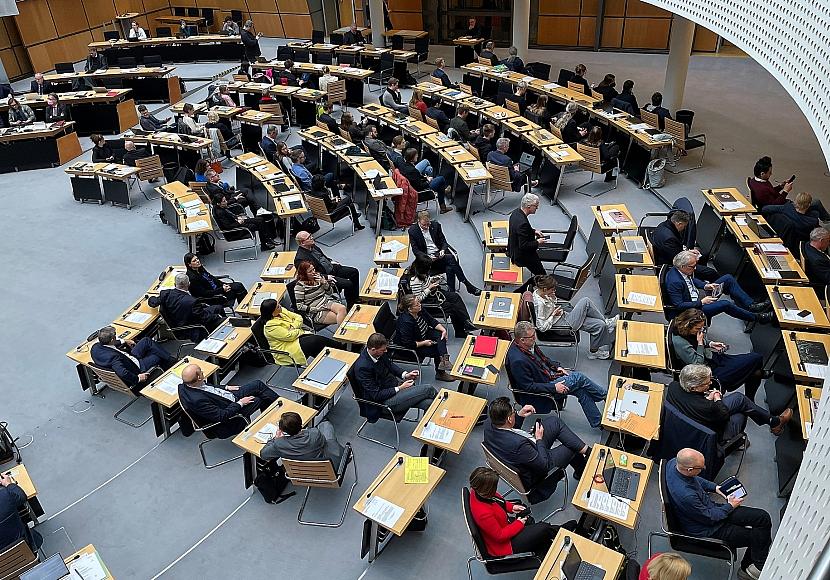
{"x": 325, "y": 370}
{"x": 485, "y": 346}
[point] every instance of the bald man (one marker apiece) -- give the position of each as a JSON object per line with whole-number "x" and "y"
{"x": 697, "y": 515}
{"x": 207, "y": 404}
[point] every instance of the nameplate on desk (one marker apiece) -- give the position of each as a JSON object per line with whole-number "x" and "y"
{"x": 642, "y": 348}
{"x": 210, "y": 345}
{"x": 640, "y": 298}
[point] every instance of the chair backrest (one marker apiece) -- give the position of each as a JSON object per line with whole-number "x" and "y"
{"x": 675, "y": 364}
{"x": 111, "y": 379}
{"x": 472, "y": 527}
{"x": 678, "y": 431}
{"x": 126, "y": 62}
{"x": 508, "y": 474}
{"x": 336, "y": 91}
{"x": 318, "y": 36}
{"x": 274, "y": 109}
{"x": 193, "y": 11}
{"x": 240, "y": 78}
{"x": 285, "y": 53}
{"x": 596, "y": 94}
{"x": 152, "y": 60}
{"x": 584, "y": 272}
{"x": 465, "y": 88}
{"x": 579, "y": 87}
{"x": 501, "y": 177}
{"x": 397, "y": 42}
{"x": 474, "y": 152}
{"x": 345, "y": 134}
{"x": 16, "y": 559}
{"x": 422, "y": 46}
{"x": 650, "y": 118}
{"x": 431, "y": 121}
{"x": 323, "y": 58}
{"x": 236, "y": 15}
{"x": 557, "y": 132}
{"x": 416, "y": 113}
{"x": 321, "y": 124}
{"x": 591, "y": 158}
{"x": 512, "y": 105}
{"x": 676, "y": 130}
{"x": 114, "y": 35}
{"x": 311, "y": 473}
{"x": 207, "y": 14}
{"x": 301, "y": 55}
{"x": 149, "y": 168}
{"x": 385, "y": 321}
{"x": 318, "y": 208}
{"x": 178, "y": 11}
{"x": 336, "y": 38}
{"x": 200, "y": 189}
{"x": 483, "y": 60}
{"x": 435, "y": 80}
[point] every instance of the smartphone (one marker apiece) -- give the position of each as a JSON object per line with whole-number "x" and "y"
{"x": 288, "y": 267}
{"x": 804, "y": 313}
{"x": 791, "y": 179}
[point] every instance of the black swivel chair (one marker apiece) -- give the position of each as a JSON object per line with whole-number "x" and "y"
{"x": 208, "y": 15}
{"x": 372, "y": 412}
{"x": 318, "y": 36}
{"x": 164, "y": 32}
{"x": 236, "y": 16}
{"x": 111, "y": 35}
{"x": 564, "y": 77}
{"x": 285, "y": 53}
{"x": 193, "y": 12}
{"x": 126, "y": 62}
{"x": 397, "y": 42}
{"x": 336, "y": 38}
{"x": 152, "y": 60}
{"x": 558, "y": 250}
{"x": 178, "y": 11}
{"x": 301, "y": 55}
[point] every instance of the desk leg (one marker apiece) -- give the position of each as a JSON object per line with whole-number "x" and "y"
{"x": 601, "y": 259}
{"x": 380, "y": 204}
{"x": 375, "y": 547}
{"x": 249, "y": 469}
{"x": 158, "y": 419}
{"x": 36, "y": 509}
{"x": 467, "y": 387}
{"x": 555, "y": 199}
{"x": 287, "y": 228}
{"x": 470, "y": 196}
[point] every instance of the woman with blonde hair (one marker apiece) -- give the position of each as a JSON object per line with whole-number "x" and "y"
{"x": 666, "y": 566}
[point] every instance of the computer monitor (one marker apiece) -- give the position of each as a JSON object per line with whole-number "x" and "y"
{"x": 53, "y": 568}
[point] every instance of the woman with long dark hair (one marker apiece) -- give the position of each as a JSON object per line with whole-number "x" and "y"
{"x": 203, "y": 284}
{"x": 434, "y": 289}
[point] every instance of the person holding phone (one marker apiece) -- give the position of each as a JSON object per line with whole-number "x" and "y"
{"x": 764, "y": 193}
{"x": 418, "y": 330}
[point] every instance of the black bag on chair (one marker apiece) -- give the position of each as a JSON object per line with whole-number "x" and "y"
{"x": 205, "y": 244}
{"x": 271, "y": 482}
{"x": 309, "y": 225}
{"x": 8, "y": 447}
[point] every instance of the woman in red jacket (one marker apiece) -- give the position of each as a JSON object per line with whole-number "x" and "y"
{"x": 501, "y": 523}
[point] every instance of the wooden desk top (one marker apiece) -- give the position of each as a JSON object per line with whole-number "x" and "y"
{"x": 541, "y": 138}
{"x": 70, "y": 98}
{"x": 173, "y": 140}
{"x": 388, "y": 190}
{"x": 169, "y": 279}
{"x": 167, "y": 399}
{"x": 389, "y": 485}
{"x": 284, "y": 210}
{"x": 315, "y": 134}
{"x": 745, "y": 236}
{"x": 646, "y": 427}
{"x": 616, "y": 244}
{"x": 520, "y": 125}
{"x": 419, "y": 129}
{"x": 274, "y": 267}
{"x": 492, "y": 243}
{"x": 800, "y": 370}
{"x": 452, "y": 96}
{"x": 438, "y": 141}
{"x": 476, "y": 103}
{"x": 21, "y": 475}
{"x": 385, "y": 258}
{"x": 484, "y": 320}
{"x": 196, "y": 39}
{"x": 82, "y": 353}
{"x": 361, "y": 29}
{"x": 368, "y": 291}
{"x": 358, "y": 325}
{"x": 613, "y": 218}
{"x": 141, "y": 307}
{"x": 33, "y": 131}
{"x": 233, "y": 343}
{"x": 589, "y": 551}
{"x": 456, "y": 154}
{"x": 465, "y": 357}
{"x": 562, "y": 154}
{"x": 247, "y": 441}
{"x": 460, "y": 409}
{"x": 113, "y": 72}
{"x": 252, "y": 117}
{"x": 374, "y": 110}
{"x": 489, "y": 258}
{"x": 717, "y": 197}
{"x": 645, "y": 332}
{"x": 260, "y": 291}
{"x": 770, "y": 275}
{"x": 406, "y": 33}
{"x": 106, "y": 170}
{"x": 806, "y": 299}
{"x": 328, "y": 392}
{"x": 89, "y": 549}
{"x": 464, "y": 170}
{"x": 586, "y": 482}
{"x": 804, "y": 411}
{"x": 365, "y": 168}
{"x": 467, "y": 41}
{"x": 428, "y": 88}
{"x": 639, "y": 284}
{"x": 497, "y": 114}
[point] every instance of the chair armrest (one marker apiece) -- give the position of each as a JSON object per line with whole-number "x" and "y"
{"x": 250, "y": 235}
{"x": 344, "y": 460}
{"x": 698, "y": 136}
{"x": 224, "y": 277}
{"x": 510, "y": 557}
{"x": 190, "y": 327}
{"x": 296, "y": 366}
{"x": 566, "y": 266}
{"x": 212, "y": 425}
{"x": 156, "y": 370}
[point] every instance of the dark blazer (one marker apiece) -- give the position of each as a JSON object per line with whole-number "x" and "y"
{"x": 355, "y": 37}
{"x": 526, "y": 375}
{"x": 484, "y": 146}
{"x": 445, "y": 79}
{"x": 137, "y": 153}
{"x": 514, "y": 63}
{"x": 678, "y": 294}
{"x": 36, "y": 88}
{"x": 802, "y": 223}
{"x": 100, "y": 154}
{"x": 330, "y": 122}
{"x": 518, "y": 452}
{"x": 200, "y": 283}
{"x": 583, "y": 82}
{"x": 462, "y": 127}
{"x": 12, "y": 530}
{"x": 499, "y": 158}
{"x": 631, "y": 100}
{"x": 406, "y": 328}
{"x": 440, "y": 116}
{"x": 494, "y": 60}
{"x": 662, "y": 114}
{"x": 378, "y": 380}
{"x": 55, "y": 114}
{"x": 150, "y": 123}
{"x": 206, "y": 408}
{"x": 521, "y": 238}
{"x": 180, "y": 308}
{"x": 711, "y": 414}
{"x": 269, "y": 147}
{"x": 570, "y": 133}
{"x": 416, "y": 179}
{"x": 303, "y": 255}
{"x": 251, "y": 43}
{"x": 667, "y": 242}
{"x": 608, "y": 93}
{"x": 418, "y": 242}
{"x": 117, "y": 361}
{"x": 817, "y": 267}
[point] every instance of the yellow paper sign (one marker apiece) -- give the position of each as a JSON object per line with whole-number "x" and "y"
{"x": 416, "y": 470}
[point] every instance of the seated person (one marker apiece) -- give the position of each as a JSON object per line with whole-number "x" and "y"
{"x": 683, "y": 291}
{"x": 667, "y": 241}
{"x": 391, "y": 97}
{"x": 245, "y": 198}
{"x": 283, "y": 157}
{"x": 302, "y": 173}
{"x": 40, "y": 85}
{"x": 500, "y": 157}
{"x": 284, "y": 332}
{"x": 376, "y": 147}
{"x": 208, "y": 405}
{"x": 513, "y": 62}
{"x": 354, "y": 130}
{"x": 434, "y": 289}
{"x": 386, "y": 383}
{"x": 584, "y": 315}
{"x": 12, "y": 530}
{"x": 200, "y": 170}
{"x": 346, "y": 277}
{"x": 519, "y": 96}
{"x": 269, "y": 143}
{"x": 187, "y": 122}
{"x": 579, "y": 77}
{"x": 427, "y": 240}
{"x": 608, "y": 151}
{"x": 131, "y": 153}
{"x": 325, "y": 117}
{"x": 538, "y": 112}
{"x": 149, "y": 122}
{"x": 690, "y": 346}
{"x": 229, "y": 27}
{"x": 572, "y": 130}
{"x": 291, "y": 441}
{"x": 627, "y": 96}
{"x": 435, "y": 112}
{"x": 489, "y": 53}
{"x": 324, "y": 80}
{"x": 726, "y": 415}
{"x": 316, "y": 297}
{"x": 418, "y": 182}
{"x": 689, "y": 496}
{"x": 418, "y": 330}
{"x": 184, "y": 30}
{"x": 539, "y": 464}
{"x": 656, "y": 107}
{"x": 606, "y": 88}
{"x": 817, "y": 262}
{"x": 333, "y": 203}
{"x": 137, "y": 32}
{"x": 764, "y": 193}
{"x": 353, "y": 36}
{"x": 203, "y": 284}
{"x": 666, "y": 565}
{"x": 534, "y": 372}
{"x": 416, "y": 101}
{"x": 19, "y": 114}
{"x": 130, "y": 360}
{"x": 395, "y": 153}
{"x": 214, "y": 122}
{"x": 180, "y": 308}
{"x": 222, "y": 97}
{"x": 286, "y": 75}
{"x": 503, "y": 525}
{"x": 485, "y": 142}
{"x": 101, "y": 150}
{"x": 460, "y": 126}
{"x": 55, "y": 112}
{"x": 441, "y": 74}
{"x": 228, "y": 221}
{"x": 801, "y": 213}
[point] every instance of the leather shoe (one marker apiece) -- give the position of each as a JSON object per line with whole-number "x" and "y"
{"x": 783, "y": 419}
{"x": 760, "y": 306}
{"x": 268, "y": 246}
{"x": 765, "y": 317}
{"x": 359, "y": 226}
{"x": 444, "y": 376}
{"x": 446, "y": 208}
{"x": 473, "y": 290}
{"x": 469, "y": 326}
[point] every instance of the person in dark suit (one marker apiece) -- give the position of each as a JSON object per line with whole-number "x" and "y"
{"x": 435, "y": 112}
{"x": 385, "y": 382}
{"x": 180, "y": 308}
{"x": 418, "y": 182}
{"x": 203, "y": 284}
{"x": 40, "y": 85}
{"x": 206, "y": 404}
{"x": 333, "y": 202}
{"x": 353, "y": 36}
{"x": 244, "y": 197}
{"x": 534, "y": 372}
{"x": 55, "y": 112}
{"x": 440, "y": 73}
{"x": 330, "y": 121}
{"x": 658, "y": 109}
{"x": 291, "y": 441}
{"x": 250, "y": 41}
{"x": 513, "y": 61}
{"x": 668, "y": 241}
{"x": 627, "y": 96}
{"x": 460, "y": 126}
{"x": 418, "y": 330}
{"x": 473, "y": 29}
{"x": 522, "y": 239}
{"x": 12, "y": 530}
{"x": 103, "y": 152}
{"x": 346, "y": 277}
{"x": 131, "y": 361}
{"x": 800, "y": 214}
{"x": 500, "y": 157}
{"x": 95, "y": 61}
{"x": 606, "y": 88}
{"x": 131, "y": 153}
{"x": 485, "y": 142}
{"x": 427, "y": 240}
{"x": 269, "y": 144}
{"x": 683, "y": 291}
{"x": 817, "y": 261}
{"x": 579, "y": 77}
{"x": 489, "y": 53}
{"x": 228, "y": 221}
{"x": 149, "y": 122}
{"x": 574, "y": 131}
{"x": 540, "y": 465}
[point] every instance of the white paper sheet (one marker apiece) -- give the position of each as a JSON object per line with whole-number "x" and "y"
{"x": 793, "y": 316}
{"x": 265, "y": 433}
{"x": 391, "y": 247}
{"x": 386, "y": 281}
{"x": 169, "y": 384}
{"x": 197, "y": 225}
{"x": 604, "y": 503}
{"x": 733, "y": 205}
{"x": 382, "y": 511}
{"x": 88, "y": 567}
{"x": 437, "y": 433}
{"x": 210, "y": 345}
{"x": 639, "y": 298}
{"x": 770, "y": 273}
{"x": 815, "y": 371}
{"x": 473, "y": 173}
{"x": 275, "y": 270}
{"x": 642, "y": 348}
{"x": 138, "y": 317}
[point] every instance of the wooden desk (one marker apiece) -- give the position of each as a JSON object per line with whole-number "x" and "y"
{"x": 145, "y": 317}
{"x": 519, "y": 125}
{"x": 368, "y": 291}
{"x": 616, "y": 244}
{"x": 745, "y": 236}
{"x": 260, "y": 291}
{"x": 770, "y": 275}
{"x": 586, "y": 482}
{"x": 488, "y": 322}
{"x": 358, "y": 325}
{"x": 189, "y": 20}
{"x": 469, "y": 383}
{"x": 325, "y": 396}
{"x": 233, "y": 343}
{"x": 640, "y": 332}
{"x": 471, "y": 173}
{"x": 247, "y": 441}
{"x": 438, "y": 141}
{"x": 90, "y": 550}
{"x": 511, "y": 270}
{"x": 20, "y": 474}
{"x": 805, "y": 299}
{"x": 612, "y": 218}
{"x": 168, "y": 280}
{"x": 113, "y": 72}
{"x": 589, "y": 551}
{"x": 494, "y": 243}
{"x": 804, "y": 411}
{"x": 497, "y": 114}
{"x": 727, "y": 201}
{"x": 419, "y": 129}
{"x": 464, "y": 409}
{"x": 38, "y": 146}
{"x": 164, "y": 404}
{"x": 408, "y": 35}
{"x": 82, "y": 356}
{"x": 112, "y": 182}
{"x": 110, "y": 112}
{"x": 456, "y": 154}
{"x": 646, "y": 427}
{"x": 389, "y": 485}
{"x": 540, "y": 138}
{"x": 275, "y": 267}
{"x": 800, "y": 370}
{"x": 390, "y": 259}
{"x": 637, "y": 284}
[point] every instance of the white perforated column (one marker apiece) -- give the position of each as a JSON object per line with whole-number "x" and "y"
{"x": 521, "y": 26}
{"x": 376, "y": 15}
{"x": 677, "y": 66}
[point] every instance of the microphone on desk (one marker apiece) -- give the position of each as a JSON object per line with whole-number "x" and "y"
{"x": 801, "y": 366}
{"x": 566, "y": 543}
{"x": 601, "y": 219}
{"x": 624, "y": 299}
{"x": 445, "y": 396}
{"x": 382, "y": 479}
{"x": 808, "y": 394}
{"x": 600, "y": 458}
{"x": 615, "y": 399}
{"x": 624, "y": 351}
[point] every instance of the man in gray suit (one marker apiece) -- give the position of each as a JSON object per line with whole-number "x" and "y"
{"x": 293, "y": 442}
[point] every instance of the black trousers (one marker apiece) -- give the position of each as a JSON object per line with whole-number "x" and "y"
{"x": 533, "y": 263}
{"x": 247, "y": 200}
{"x": 447, "y": 264}
{"x": 457, "y": 311}
{"x": 348, "y": 280}
{"x": 266, "y": 227}
{"x": 748, "y": 527}
{"x": 313, "y": 344}
{"x": 536, "y": 537}
{"x": 234, "y": 295}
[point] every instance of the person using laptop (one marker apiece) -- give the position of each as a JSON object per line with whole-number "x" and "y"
{"x": 149, "y": 122}
{"x": 668, "y": 240}
{"x": 207, "y": 404}
{"x": 292, "y": 441}
{"x": 285, "y": 332}
{"x": 203, "y": 284}
{"x": 418, "y": 330}
{"x": 817, "y": 262}
{"x": 690, "y": 499}
{"x": 518, "y": 179}
{"x": 534, "y": 372}
{"x": 683, "y": 290}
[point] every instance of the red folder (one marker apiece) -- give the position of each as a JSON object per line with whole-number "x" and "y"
{"x": 485, "y": 346}
{"x": 504, "y": 276}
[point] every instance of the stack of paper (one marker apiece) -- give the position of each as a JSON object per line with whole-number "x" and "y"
{"x": 793, "y": 316}
{"x": 275, "y": 270}
{"x": 639, "y": 298}
{"x": 642, "y": 348}
{"x": 382, "y": 511}
{"x": 137, "y": 317}
{"x": 265, "y": 433}
{"x": 191, "y": 203}
{"x": 733, "y": 205}
{"x": 473, "y": 173}
{"x": 386, "y": 281}
{"x": 391, "y": 247}
{"x": 210, "y": 345}
{"x": 197, "y": 225}
{"x": 416, "y": 470}
{"x": 437, "y": 433}
{"x": 88, "y": 567}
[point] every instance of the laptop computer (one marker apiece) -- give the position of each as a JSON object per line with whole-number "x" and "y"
{"x": 575, "y": 568}
{"x": 620, "y": 482}
{"x": 526, "y": 162}
{"x": 53, "y": 568}
{"x": 811, "y": 352}
{"x": 638, "y": 246}
{"x": 325, "y": 370}
{"x": 759, "y": 230}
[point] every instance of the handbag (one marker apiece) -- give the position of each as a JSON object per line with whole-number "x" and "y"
{"x": 271, "y": 481}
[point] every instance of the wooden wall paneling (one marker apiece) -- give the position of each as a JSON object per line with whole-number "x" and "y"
{"x": 150, "y": 5}
{"x": 612, "y": 33}
{"x": 267, "y": 6}
{"x": 270, "y": 25}
{"x": 560, "y": 7}
{"x": 70, "y": 16}
{"x": 590, "y": 7}
{"x": 5, "y": 39}
{"x": 39, "y": 57}
{"x": 614, "y": 8}
{"x": 35, "y": 21}
{"x": 558, "y": 30}
{"x": 23, "y": 60}
{"x": 405, "y": 6}
{"x": 99, "y": 12}
{"x": 705, "y": 40}
{"x": 125, "y": 6}
{"x": 407, "y": 20}
{"x": 296, "y": 25}
{"x": 289, "y": 6}
{"x": 11, "y": 30}
{"x": 650, "y": 33}
{"x": 358, "y": 12}
{"x": 97, "y": 34}
{"x": 186, "y": 3}
{"x": 226, "y": 5}
{"x": 9, "y": 60}
{"x": 587, "y": 31}
{"x": 69, "y": 49}
{"x": 640, "y": 8}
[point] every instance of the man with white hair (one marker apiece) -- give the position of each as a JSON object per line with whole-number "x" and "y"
{"x": 180, "y": 308}
{"x": 816, "y": 259}
{"x": 130, "y": 360}
{"x": 250, "y": 42}
{"x": 684, "y": 291}
{"x": 500, "y": 157}
{"x": 523, "y": 240}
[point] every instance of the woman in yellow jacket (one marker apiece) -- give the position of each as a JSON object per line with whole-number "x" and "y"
{"x": 284, "y": 331}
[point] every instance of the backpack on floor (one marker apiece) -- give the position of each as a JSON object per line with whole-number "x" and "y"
{"x": 271, "y": 482}
{"x": 205, "y": 244}
{"x": 387, "y": 219}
